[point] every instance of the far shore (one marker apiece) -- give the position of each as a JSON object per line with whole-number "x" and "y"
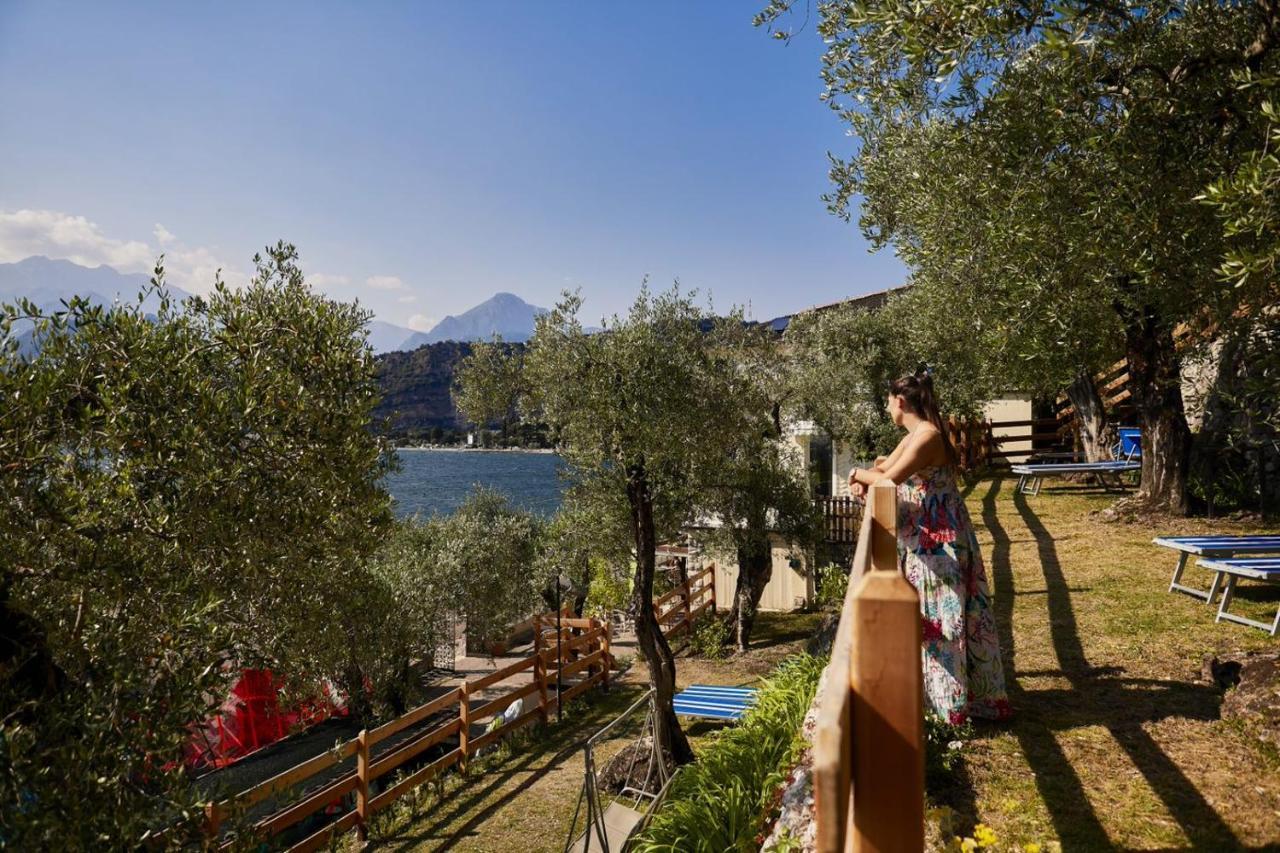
{"x": 453, "y": 448}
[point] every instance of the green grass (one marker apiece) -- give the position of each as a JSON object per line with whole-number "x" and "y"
{"x": 1116, "y": 743}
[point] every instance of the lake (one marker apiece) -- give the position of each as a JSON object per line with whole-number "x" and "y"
{"x": 438, "y": 481}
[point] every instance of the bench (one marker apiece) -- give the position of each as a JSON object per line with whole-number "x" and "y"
{"x": 714, "y": 703}
{"x": 1257, "y": 568}
{"x": 1212, "y": 547}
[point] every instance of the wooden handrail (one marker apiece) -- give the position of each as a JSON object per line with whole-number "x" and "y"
{"x": 868, "y": 744}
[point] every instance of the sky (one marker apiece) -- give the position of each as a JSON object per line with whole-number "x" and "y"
{"x": 424, "y": 156}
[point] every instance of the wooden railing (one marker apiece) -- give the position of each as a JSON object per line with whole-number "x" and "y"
{"x": 678, "y": 608}
{"x": 585, "y": 656}
{"x": 868, "y": 744}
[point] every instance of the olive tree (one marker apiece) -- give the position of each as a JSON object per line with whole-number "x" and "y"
{"x": 636, "y": 410}
{"x": 1132, "y": 109}
{"x": 185, "y": 493}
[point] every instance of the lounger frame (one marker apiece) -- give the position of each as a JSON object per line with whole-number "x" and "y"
{"x": 1031, "y": 477}
{"x": 1257, "y": 568}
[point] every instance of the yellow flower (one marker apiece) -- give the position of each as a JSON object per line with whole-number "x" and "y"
{"x": 1031, "y": 848}
{"x": 968, "y": 845}
{"x": 984, "y": 835}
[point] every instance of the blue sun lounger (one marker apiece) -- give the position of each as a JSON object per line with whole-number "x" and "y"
{"x": 1031, "y": 476}
{"x": 714, "y": 703}
{"x": 1258, "y": 568}
{"x": 1212, "y": 548}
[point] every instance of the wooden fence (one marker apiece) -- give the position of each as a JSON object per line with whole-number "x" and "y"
{"x": 868, "y": 745}
{"x": 841, "y": 516}
{"x": 452, "y": 718}
{"x": 582, "y": 653}
{"x": 692, "y": 596}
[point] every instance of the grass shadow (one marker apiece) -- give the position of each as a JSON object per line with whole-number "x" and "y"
{"x": 1101, "y": 697}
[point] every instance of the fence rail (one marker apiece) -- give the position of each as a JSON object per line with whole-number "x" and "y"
{"x": 868, "y": 745}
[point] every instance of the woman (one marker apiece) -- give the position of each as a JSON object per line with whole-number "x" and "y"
{"x": 938, "y": 553}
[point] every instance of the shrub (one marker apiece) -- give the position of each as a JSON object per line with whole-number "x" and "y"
{"x": 833, "y": 581}
{"x": 710, "y": 638}
{"x": 719, "y": 802}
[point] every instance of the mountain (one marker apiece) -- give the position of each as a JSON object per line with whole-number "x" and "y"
{"x": 388, "y": 337}
{"x": 46, "y": 282}
{"x": 49, "y": 282}
{"x": 505, "y": 314}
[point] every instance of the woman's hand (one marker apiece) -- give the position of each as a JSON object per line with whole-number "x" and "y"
{"x": 856, "y": 488}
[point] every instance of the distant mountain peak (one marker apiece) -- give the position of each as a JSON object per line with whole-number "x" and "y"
{"x": 503, "y": 314}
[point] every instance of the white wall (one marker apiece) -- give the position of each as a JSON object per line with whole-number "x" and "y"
{"x": 788, "y": 589}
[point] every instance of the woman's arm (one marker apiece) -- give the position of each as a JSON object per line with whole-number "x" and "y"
{"x": 876, "y": 471}
{"x": 914, "y": 452}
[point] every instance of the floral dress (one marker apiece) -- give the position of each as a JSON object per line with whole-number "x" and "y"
{"x": 938, "y": 553}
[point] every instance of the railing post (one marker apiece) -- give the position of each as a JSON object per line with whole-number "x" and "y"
{"x": 888, "y": 694}
{"x": 464, "y": 731}
{"x": 362, "y": 784}
{"x": 883, "y": 503}
{"x": 713, "y": 588}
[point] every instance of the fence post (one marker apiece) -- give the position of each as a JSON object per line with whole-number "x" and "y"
{"x": 213, "y": 820}
{"x": 713, "y": 588}
{"x": 608, "y": 655}
{"x": 540, "y": 676}
{"x": 464, "y": 714}
{"x": 888, "y": 712}
{"x": 884, "y": 526}
{"x": 537, "y": 632}
{"x": 688, "y": 611}
{"x": 362, "y": 784}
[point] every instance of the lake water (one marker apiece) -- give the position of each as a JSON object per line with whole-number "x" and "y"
{"x": 438, "y": 481}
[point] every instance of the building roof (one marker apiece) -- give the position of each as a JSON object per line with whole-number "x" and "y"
{"x": 867, "y": 301}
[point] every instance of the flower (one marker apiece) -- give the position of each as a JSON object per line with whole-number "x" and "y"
{"x": 984, "y": 835}
{"x": 1031, "y": 848}
{"x": 968, "y": 845}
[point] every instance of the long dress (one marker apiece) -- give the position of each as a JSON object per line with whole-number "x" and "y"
{"x": 938, "y": 553}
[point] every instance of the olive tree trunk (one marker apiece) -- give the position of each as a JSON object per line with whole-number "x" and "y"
{"x": 1155, "y": 386}
{"x": 653, "y": 645}
{"x": 1092, "y": 416}
{"x": 755, "y": 569}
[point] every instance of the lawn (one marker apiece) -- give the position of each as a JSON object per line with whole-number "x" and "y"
{"x": 523, "y": 798}
{"x": 1116, "y": 741}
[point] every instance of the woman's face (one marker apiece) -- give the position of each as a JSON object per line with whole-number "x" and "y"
{"x": 895, "y": 409}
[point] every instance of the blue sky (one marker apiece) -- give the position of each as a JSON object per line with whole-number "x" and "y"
{"x": 424, "y": 156}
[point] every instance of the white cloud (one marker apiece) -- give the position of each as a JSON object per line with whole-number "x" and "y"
{"x": 407, "y": 298}
{"x": 54, "y": 234}
{"x": 24, "y": 233}
{"x": 163, "y": 235}
{"x": 384, "y": 282}
{"x": 421, "y": 323}
{"x": 323, "y": 280}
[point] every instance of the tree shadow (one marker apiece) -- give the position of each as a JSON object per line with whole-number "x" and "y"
{"x": 1097, "y": 696}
